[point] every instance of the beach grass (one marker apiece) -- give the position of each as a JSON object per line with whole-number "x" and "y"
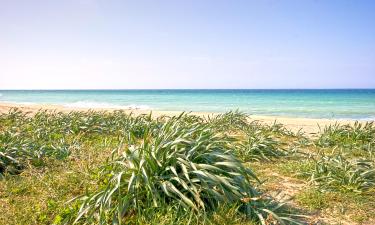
{"x": 112, "y": 167}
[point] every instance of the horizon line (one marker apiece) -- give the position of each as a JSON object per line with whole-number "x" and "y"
{"x": 182, "y": 89}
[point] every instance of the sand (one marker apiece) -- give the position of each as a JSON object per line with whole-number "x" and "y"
{"x": 307, "y": 125}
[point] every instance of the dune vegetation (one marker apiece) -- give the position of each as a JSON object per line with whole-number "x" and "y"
{"x": 115, "y": 168}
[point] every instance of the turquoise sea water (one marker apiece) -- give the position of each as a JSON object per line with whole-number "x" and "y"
{"x": 338, "y": 104}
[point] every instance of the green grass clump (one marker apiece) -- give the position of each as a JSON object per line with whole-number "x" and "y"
{"x": 232, "y": 121}
{"x": 296, "y": 168}
{"x": 358, "y": 135}
{"x": 313, "y": 199}
{"x": 18, "y": 149}
{"x": 30, "y": 139}
{"x": 260, "y": 145}
{"x": 112, "y": 167}
{"x": 339, "y": 174}
{"x": 188, "y": 167}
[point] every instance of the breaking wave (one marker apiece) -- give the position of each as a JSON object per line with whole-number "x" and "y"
{"x": 104, "y": 105}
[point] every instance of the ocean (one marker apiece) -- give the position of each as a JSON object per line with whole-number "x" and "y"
{"x": 331, "y": 104}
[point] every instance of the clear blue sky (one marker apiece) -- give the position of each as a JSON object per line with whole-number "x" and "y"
{"x": 187, "y": 44}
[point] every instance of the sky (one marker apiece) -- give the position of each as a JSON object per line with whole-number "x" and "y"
{"x": 95, "y": 44}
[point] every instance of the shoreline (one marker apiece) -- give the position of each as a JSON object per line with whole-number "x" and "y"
{"x": 308, "y": 125}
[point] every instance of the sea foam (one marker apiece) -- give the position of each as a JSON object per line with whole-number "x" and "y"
{"x": 19, "y": 103}
{"x": 104, "y": 105}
